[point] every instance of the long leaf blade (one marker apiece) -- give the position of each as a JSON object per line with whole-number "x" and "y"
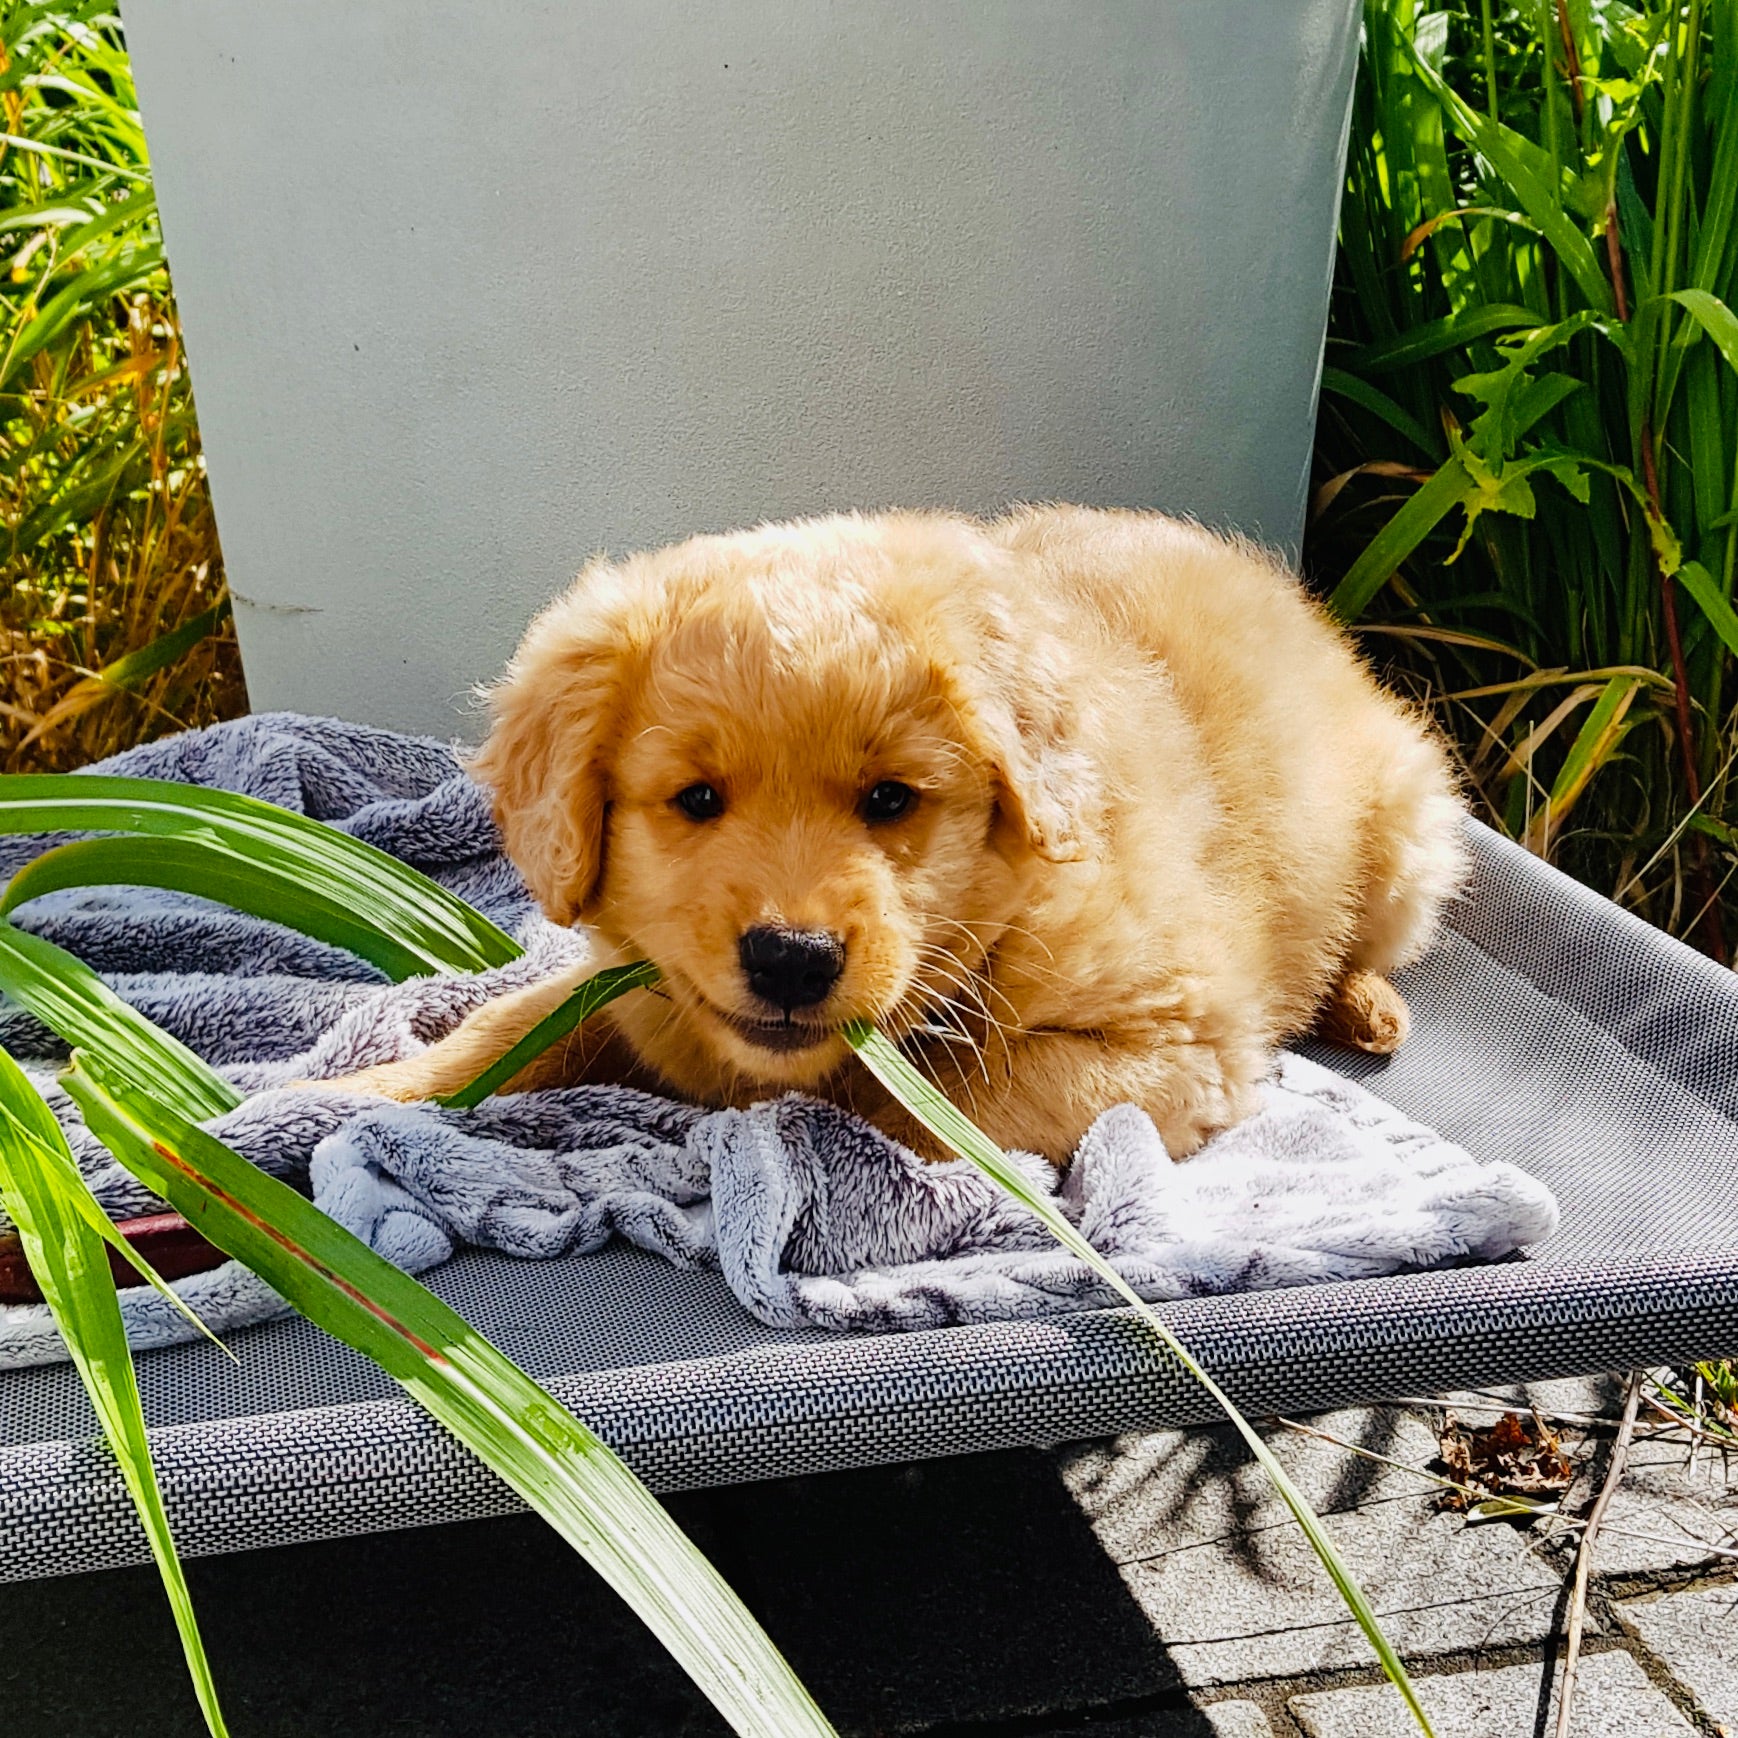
{"x": 1516, "y": 160}
{"x": 127, "y": 672}
{"x": 213, "y": 870}
{"x": 1449, "y": 488}
{"x": 73, "y": 1002}
{"x": 553, "y": 1461}
{"x": 448, "y": 934}
{"x": 1699, "y": 583}
{"x": 1340, "y": 384}
{"x": 1594, "y": 743}
{"x": 1714, "y": 317}
{"x": 597, "y": 990}
{"x": 947, "y": 1123}
{"x": 1451, "y": 332}
{"x": 39, "y": 1184}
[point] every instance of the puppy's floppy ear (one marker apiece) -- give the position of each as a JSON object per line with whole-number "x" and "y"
{"x": 1017, "y": 699}
{"x": 547, "y": 758}
{"x": 1046, "y": 789}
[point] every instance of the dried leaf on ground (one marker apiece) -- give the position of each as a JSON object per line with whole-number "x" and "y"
{"x": 1516, "y": 1457}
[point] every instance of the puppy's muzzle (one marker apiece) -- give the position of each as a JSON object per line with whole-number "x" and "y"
{"x": 791, "y": 968}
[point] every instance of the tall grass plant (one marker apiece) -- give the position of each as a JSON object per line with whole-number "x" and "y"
{"x": 1528, "y": 448}
{"x": 113, "y": 614}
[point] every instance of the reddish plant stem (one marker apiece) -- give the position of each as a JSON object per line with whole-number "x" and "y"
{"x": 1614, "y": 261}
{"x": 1572, "y": 68}
{"x": 1713, "y": 931}
{"x": 1669, "y": 606}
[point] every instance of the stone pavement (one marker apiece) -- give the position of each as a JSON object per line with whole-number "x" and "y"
{"x": 1148, "y": 1587}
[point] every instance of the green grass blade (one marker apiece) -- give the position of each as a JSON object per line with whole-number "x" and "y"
{"x": 1530, "y": 176}
{"x": 122, "y": 470}
{"x": 1700, "y": 584}
{"x": 418, "y": 913}
{"x": 40, "y": 1186}
{"x": 1413, "y": 133}
{"x": 133, "y": 667}
{"x": 17, "y": 142}
{"x": 1714, "y": 317}
{"x": 1434, "y": 337}
{"x": 213, "y": 870}
{"x": 109, "y": 216}
{"x": 936, "y": 1112}
{"x": 1594, "y": 743}
{"x": 598, "y": 989}
{"x": 72, "y": 1001}
{"x": 78, "y": 1199}
{"x": 1720, "y": 199}
{"x": 129, "y": 269}
{"x": 77, "y": 203}
{"x": 130, "y": 670}
{"x": 553, "y": 1461}
{"x": 1361, "y": 393}
{"x": 1709, "y": 453}
{"x": 1449, "y": 488}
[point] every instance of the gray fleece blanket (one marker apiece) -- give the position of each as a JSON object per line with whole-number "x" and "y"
{"x": 812, "y": 1217}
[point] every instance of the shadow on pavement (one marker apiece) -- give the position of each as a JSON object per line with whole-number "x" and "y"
{"x": 961, "y": 1594}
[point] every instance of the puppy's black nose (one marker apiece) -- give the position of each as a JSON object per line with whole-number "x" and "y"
{"x": 791, "y": 968}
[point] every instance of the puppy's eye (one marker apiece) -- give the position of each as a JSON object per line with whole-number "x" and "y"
{"x": 888, "y": 801}
{"x": 700, "y": 803}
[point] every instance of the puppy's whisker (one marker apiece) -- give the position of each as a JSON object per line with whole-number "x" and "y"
{"x": 932, "y": 1000}
{"x": 927, "y": 1001}
{"x": 952, "y": 970}
{"x": 980, "y": 990}
{"x": 949, "y": 969}
{"x": 1002, "y": 929}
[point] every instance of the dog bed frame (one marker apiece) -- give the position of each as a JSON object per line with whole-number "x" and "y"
{"x": 1550, "y": 1029}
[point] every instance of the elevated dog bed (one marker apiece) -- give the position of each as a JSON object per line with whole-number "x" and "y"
{"x": 1551, "y": 1030}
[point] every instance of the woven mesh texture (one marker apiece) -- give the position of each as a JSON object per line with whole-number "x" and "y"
{"x": 1550, "y": 1029}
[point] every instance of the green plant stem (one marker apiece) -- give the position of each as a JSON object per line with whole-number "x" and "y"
{"x": 1490, "y": 61}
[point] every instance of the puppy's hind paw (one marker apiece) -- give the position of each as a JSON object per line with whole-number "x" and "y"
{"x": 1365, "y": 1012}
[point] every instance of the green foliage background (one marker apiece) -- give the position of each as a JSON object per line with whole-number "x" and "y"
{"x": 113, "y": 616}
{"x": 1527, "y": 459}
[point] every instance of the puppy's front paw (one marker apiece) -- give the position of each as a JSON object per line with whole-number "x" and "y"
{"x": 397, "y": 1081}
{"x": 1365, "y": 1012}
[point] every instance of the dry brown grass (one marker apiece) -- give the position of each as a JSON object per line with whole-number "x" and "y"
{"x": 112, "y": 585}
{"x": 113, "y": 621}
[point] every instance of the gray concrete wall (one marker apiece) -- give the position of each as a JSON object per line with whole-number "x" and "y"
{"x": 474, "y": 289}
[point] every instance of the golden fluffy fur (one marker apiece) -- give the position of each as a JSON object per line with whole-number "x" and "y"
{"x": 1164, "y": 818}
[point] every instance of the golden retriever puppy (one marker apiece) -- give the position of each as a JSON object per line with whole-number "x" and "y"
{"x": 1082, "y": 806}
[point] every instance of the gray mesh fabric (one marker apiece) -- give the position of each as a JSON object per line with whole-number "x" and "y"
{"x": 1550, "y": 1029}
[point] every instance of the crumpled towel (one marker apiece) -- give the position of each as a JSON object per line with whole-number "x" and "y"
{"x": 811, "y": 1216}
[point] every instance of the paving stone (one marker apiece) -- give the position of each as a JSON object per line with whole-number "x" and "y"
{"x": 1669, "y": 1513}
{"x": 1696, "y": 1634}
{"x": 1613, "y": 1699}
{"x": 1229, "y": 1719}
{"x": 1237, "y": 1720}
{"x": 1233, "y": 1589}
